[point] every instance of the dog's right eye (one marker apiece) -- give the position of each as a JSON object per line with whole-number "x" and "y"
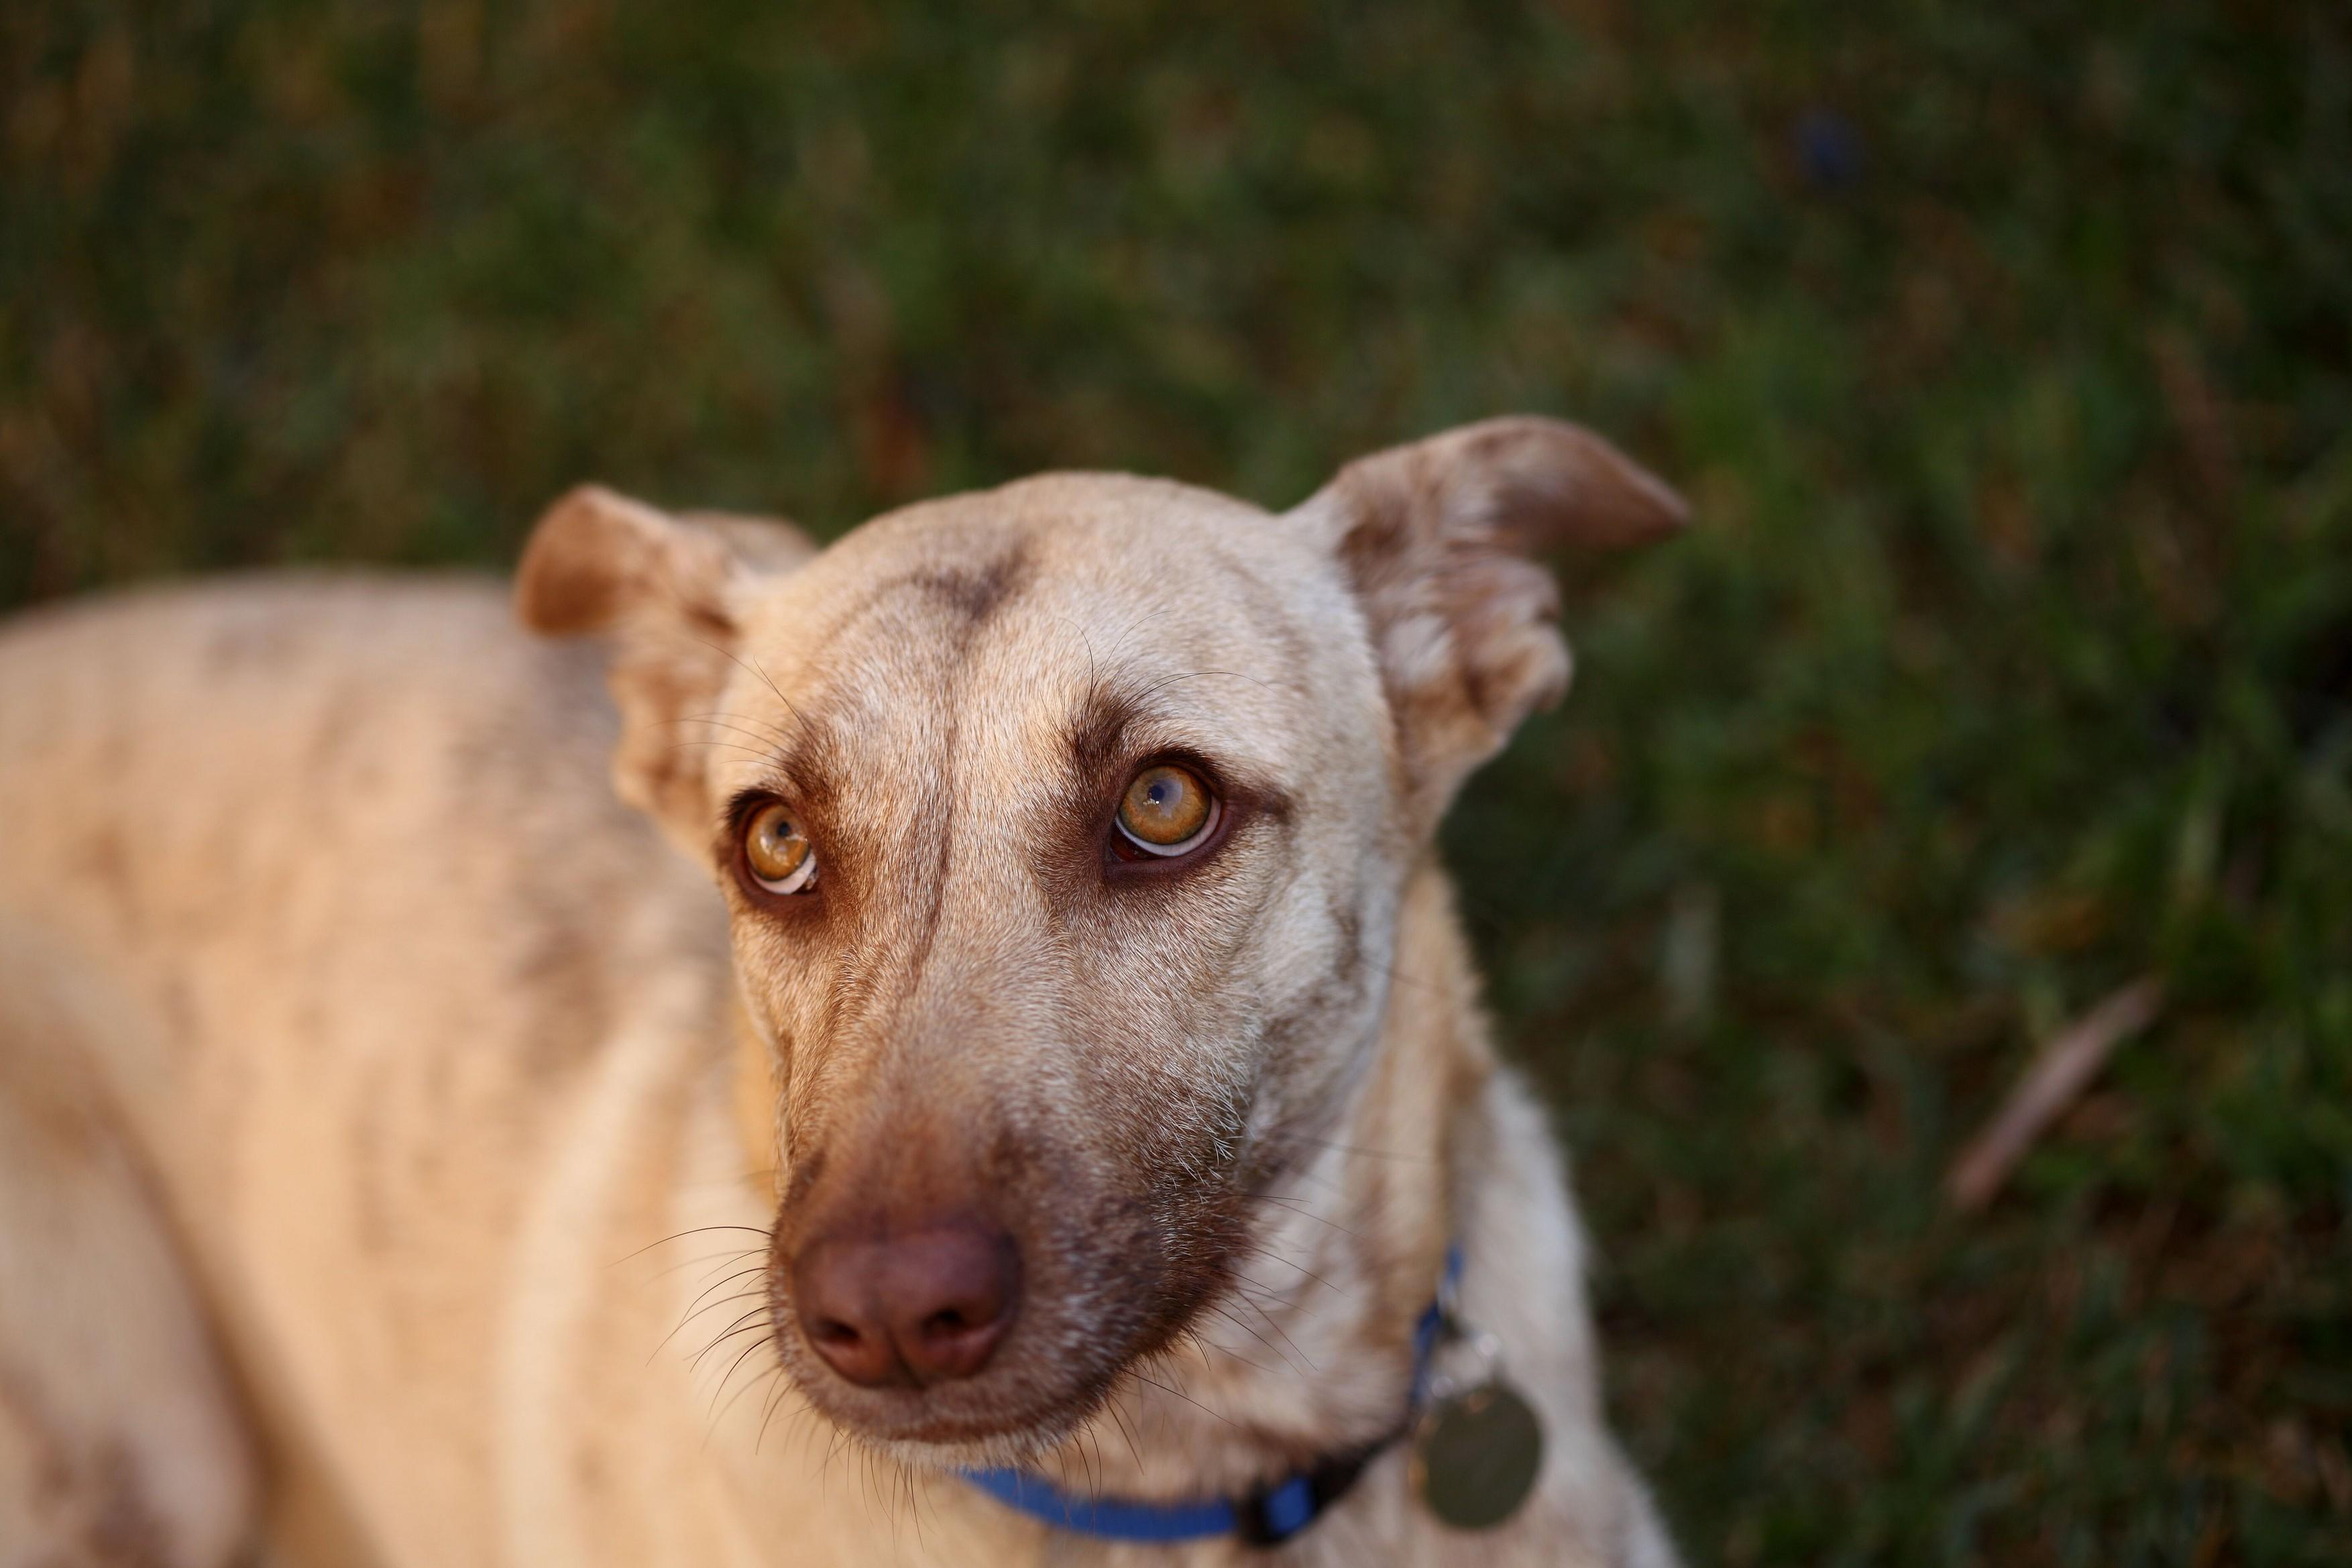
{"x": 1167, "y": 811}
{"x": 779, "y": 853}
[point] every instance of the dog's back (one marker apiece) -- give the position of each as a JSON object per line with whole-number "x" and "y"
{"x": 271, "y": 805}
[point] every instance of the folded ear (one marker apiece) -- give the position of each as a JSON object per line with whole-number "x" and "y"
{"x": 1436, "y": 537}
{"x": 669, "y": 589}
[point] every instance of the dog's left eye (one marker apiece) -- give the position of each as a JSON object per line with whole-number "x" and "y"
{"x": 779, "y": 853}
{"x": 1167, "y": 811}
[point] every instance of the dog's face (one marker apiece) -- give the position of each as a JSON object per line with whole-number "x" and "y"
{"x": 1063, "y": 828}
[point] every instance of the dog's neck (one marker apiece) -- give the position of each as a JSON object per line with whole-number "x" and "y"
{"x": 1311, "y": 1353}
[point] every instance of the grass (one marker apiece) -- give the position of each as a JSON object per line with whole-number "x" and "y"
{"x": 2007, "y": 353}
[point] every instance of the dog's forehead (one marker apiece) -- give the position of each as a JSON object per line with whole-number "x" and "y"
{"x": 993, "y": 622}
{"x": 1086, "y": 544}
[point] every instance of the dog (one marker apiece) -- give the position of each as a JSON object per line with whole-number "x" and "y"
{"x": 999, "y": 1055}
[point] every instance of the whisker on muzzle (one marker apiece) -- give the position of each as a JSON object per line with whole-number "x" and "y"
{"x": 677, "y": 1236}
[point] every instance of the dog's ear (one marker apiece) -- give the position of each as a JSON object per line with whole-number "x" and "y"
{"x": 669, "y": 589}
{"x": 1436, "y": 538}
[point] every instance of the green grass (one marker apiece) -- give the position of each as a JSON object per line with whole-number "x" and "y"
{"x": 2013, "y": 657}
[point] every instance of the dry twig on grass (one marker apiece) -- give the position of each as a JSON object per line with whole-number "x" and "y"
{"x": 2065, "y": 1065}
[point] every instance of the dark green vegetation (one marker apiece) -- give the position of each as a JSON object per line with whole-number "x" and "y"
{"x": 2008, "y": 363}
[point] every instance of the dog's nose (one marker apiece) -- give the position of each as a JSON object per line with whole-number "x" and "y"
{"x": 913, "y": 1307}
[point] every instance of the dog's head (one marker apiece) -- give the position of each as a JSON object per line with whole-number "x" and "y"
{"x": 1064, "y": 828}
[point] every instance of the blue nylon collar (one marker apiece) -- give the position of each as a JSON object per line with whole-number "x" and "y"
{"x": 1266, "y": 1517}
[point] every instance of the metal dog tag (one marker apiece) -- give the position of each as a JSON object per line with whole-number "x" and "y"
{"x": 1475, "y": 1455}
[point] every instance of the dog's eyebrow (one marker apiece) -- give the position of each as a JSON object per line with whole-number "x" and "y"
{"x": 803, "y": 768}
{"x": 1093, "y": 734}
{"x": 1098, "y": 736}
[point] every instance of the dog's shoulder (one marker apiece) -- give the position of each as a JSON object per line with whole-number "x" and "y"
{"x": 300, "y": 759}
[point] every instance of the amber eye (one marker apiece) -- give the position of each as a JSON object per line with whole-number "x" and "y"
{"x": 777, "y": 851}
{"x": 1167, "y": 810}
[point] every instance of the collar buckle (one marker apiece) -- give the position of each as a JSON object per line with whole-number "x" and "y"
{"x": 1272, "y": 1514}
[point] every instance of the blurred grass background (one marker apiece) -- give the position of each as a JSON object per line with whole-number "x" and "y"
{"x": 2007, "y": 353}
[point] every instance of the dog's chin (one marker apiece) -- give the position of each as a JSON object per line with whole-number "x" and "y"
{"x": 1011, "y": 1449}
{"x": 959, "y": 1442}
{"x": 987, "y": 1422}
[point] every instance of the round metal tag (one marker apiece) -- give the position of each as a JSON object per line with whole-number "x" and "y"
{"x": 1475, "y": 1456}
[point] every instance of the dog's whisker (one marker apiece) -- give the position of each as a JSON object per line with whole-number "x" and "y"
{"x": 769, "y": 746}
{"x": 1135, "y": 628}
{"x": 1259, "y": 1308}
{"x": 1209, "y": 1348}
{"x": 751, "y": 1320}
{"x": 1259, "y": 1296}
{"x": 1111, "y": 1409}
{"x": 774, "y": 733}
{"x": 1301, "y": 1206}
{"x": 1094, "y": 674}
{"x": 714, "y": 1306}
{"x": 782, "y": 1391}
{"x": 723, "y": 1301}
{"x": 720, "y": 1414}
{"x": 721, "y": 1259}
{"x": 697, "y": 1230}
{"x": 725, "y": 745}
{"x": 1162, "y": 684}
{"x": 1389, "y": 969}
{"x": 747, "y": 1323}
{"x": 745, "y": 1272}
{"x": 914, "y": 1505}
{"x": 1262, "y": 1247}
{"x": 753, "y": 669}
{"x": 1273, "y": 1136}
{"x": 1252, "y": 1334}
{"x": 1187, "y": 1398}
{"x": 840, "y": 1441}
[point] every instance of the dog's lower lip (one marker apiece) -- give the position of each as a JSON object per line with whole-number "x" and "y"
{"x": 971, "y": 1411}
{"x": 948, "y": 1429}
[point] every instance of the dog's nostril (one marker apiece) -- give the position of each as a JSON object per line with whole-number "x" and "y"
{"x": 859, "y": 1351}
{"x": 922, "y": 1306}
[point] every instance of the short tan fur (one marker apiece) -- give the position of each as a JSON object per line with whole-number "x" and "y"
{"x": 477, "y": 1116}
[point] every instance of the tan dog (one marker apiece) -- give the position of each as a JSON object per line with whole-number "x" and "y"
{"x": 406, "y": 1157}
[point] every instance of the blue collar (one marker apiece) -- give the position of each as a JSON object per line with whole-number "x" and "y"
{"x": 1266, "y": 1517}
